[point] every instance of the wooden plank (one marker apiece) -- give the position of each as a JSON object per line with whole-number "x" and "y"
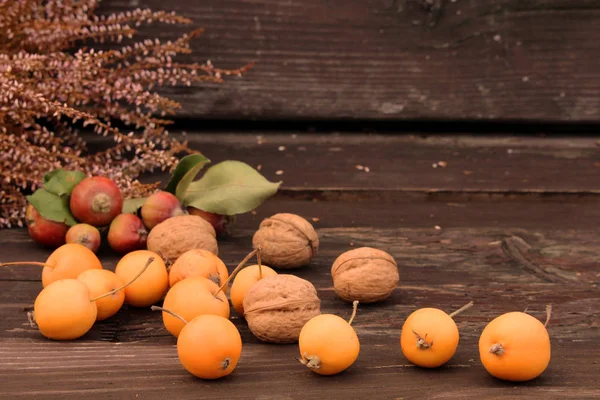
{"x": 486, "y": 255}
{"x": 364, "y": 221}
{"x": 392, "y": 59}
{"x": 148, "y": 371}
{"x": 314, "y": 165}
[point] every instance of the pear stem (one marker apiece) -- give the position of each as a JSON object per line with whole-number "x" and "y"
{"x": 354, "y": 309}
{"x": 237, "y": 269}
{"x": 548, "y": 314}
{"x": 156, "y": 308}
{"x": 150, "y": 260}
{"x": 463, "y": 308}
{"x": 259, "y": 263}
{"x": 41, "y": 264}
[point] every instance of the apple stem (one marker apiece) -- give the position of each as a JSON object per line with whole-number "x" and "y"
{"x": 157, "y": 308}
{"x": 259, "y": 263}
{"x": 41, "y": 264}
{"x": 354, "y": 309}
{"x": 463, "y": 308}
{"x": 150, "y": 260}
{"x": 237, "y": 269}
{"x": 548, "y": 314}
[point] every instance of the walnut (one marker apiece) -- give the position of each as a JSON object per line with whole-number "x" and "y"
{"x": 176, "y": 235}
{"x": 286, "y": 241}
{"x": 365, "y": 274}
{"x": 277, "y": 307}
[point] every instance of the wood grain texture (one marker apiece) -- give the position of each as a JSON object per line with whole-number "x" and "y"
{"x": 402, "y": 166}
{"x": 151, "y": 371}
{"x": 392, "y": 59}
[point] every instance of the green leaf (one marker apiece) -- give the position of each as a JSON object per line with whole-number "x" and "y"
{"x": 61, "y": 182}
{"x": 229, "y": 188}
{"x": 184, "y": 174}
{"x": 52, "y": 206}
{"x": 131, "y": 206}
{"x": 51, "y": 174}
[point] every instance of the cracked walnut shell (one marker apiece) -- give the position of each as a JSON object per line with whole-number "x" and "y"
{"x": 176, "y": 235}
{"x": 365, "y": 274}
{"x": 277, "y": 307}
{"x": 286, "y": 240}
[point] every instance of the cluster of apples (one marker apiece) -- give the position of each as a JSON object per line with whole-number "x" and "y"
{"x": 96, "y": 203}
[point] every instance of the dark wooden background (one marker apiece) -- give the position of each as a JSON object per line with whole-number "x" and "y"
{"x": 534, "y": 60}
{"x": 500, "y": 216}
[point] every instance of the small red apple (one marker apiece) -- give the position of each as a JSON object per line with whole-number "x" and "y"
{"x": 221, "y": 223}
{"x": 96, "y": 201}
{"x": 127, "y": 233}
{"x": 86, "y": 235}
{"x": 44, "y": 231}
{"x": 159, "y": 207}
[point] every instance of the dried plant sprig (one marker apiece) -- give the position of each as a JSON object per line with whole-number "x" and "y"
{"x": 51, "y": 93}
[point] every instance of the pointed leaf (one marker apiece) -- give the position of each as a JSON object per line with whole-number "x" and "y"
{"x": 61, "y": 182}
{"x": 52, "y": 206}
{"x": 51, "y": 174}
{"x": 131, "y": 206}
{"x": 184, "y": 174}
{"x": 229, "y": 188}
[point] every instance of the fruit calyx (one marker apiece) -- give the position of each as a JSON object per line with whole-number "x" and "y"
{"x": 312, "y": 362}
{"x": 143, "y": 232}
{"x": 101, "y": 203}
{"x": 225, "y": 363}
{"x": 497, "y": 349}
{"x": 422, "y": 343}
{"x": 216, "y": 278}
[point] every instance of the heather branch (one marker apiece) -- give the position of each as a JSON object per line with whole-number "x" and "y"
{"x": 48, "y": 95}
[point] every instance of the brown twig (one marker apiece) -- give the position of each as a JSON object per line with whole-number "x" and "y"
{"x": 150, "y": 260}
{"x": 156, "y": 308}
{"x": 463, "y": 308}
{"x": 237, "y": 269}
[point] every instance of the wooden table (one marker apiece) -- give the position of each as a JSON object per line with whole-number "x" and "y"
{"x": 506, "y": 217}
{"x": 509, "y": 222}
